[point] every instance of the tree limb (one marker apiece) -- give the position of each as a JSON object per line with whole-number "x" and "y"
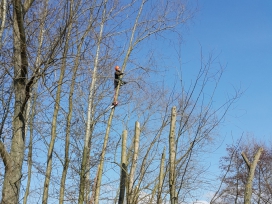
{"x": 246, "y": 159}
{"x": 27, "y": 5}
{"x": 4, "y": 154}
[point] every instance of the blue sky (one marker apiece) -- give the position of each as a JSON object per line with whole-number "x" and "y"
{"x": 240, "y": 32}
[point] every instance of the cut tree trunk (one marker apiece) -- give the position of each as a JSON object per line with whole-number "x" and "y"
{"x": 123, "y": 168}
{"x": 161, "y": 176}
{"x": 131, "y": 197}
{"x": 251, "y": 167}
{"x": 172, "y": 158}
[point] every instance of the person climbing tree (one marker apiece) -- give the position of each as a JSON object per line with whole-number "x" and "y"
{"x": 117, "y": 78}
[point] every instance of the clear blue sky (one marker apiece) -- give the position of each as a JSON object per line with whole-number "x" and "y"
{"x": 241, "y": 33}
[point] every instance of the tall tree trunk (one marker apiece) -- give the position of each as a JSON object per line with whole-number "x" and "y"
{"x": 130, "y": 48}
{"x": 13, "y": 161}
{"x": 131, "y": 197}
{"x": 67, "y": 137}
{"x": 3, "y": 14}
{"x": 251, "y": 168}
{"x": 91, "y": 199}
{"x": 161, "y": 176}
{"x": 33, "y": 106}
{"x": 86, "y": 151}
{"x": 123, "y": 176}
{"x": 69, "y": 118}
{"x": 55, "y": 114}
{"x": 172, "y": 158}
{"x": 30, "y": 145}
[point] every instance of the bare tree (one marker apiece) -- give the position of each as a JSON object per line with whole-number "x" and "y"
{"x": 56, "y": 109}
{"x": 13, "y": 161}
{"x": 69, "y": 116}
{"x": 34, "y": 101}
{"x": 86, "y": 150}
{"x": 26, "y": 73}
{"x": 238, "y": 182}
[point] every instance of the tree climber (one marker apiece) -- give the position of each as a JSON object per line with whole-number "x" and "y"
{"x": 117, "y": 79}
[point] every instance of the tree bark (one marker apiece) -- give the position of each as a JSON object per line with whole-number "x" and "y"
{"x": 13, "y": 161}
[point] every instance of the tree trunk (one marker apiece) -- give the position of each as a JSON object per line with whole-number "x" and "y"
{"x": 13, "y": 161}
{"x": 251, "y": 168}
{"x": 172, "y": 158}
{"x": 30, "y": 145}
{"x": 55, "y": 115}
{"x": 3, "y": 14}
{"x": 33, "y": 109}
{"x": 69, "y": 116}
{"x": 131, "y": 197}
{"x": 161, "y": 176}
{"x": 123, "y": 176}
{"x": 67, "y": 138}
{"x": 100, "y": 167}
{"x": 130, "y": 48}
{"x": 68, "y": 133}
{"x": 86, "y": 149}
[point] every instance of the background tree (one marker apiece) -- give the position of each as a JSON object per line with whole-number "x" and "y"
{"x": 251, "y": 171}
{"x": 14, "y": 159}
{"x": 26, "y": 73}
{"x": 237, "y": 173}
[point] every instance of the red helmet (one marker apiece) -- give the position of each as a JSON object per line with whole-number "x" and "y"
{"x": 116, "y": 68}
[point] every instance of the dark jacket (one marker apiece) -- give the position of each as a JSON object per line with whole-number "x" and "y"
{"x": 117, "y": 78}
